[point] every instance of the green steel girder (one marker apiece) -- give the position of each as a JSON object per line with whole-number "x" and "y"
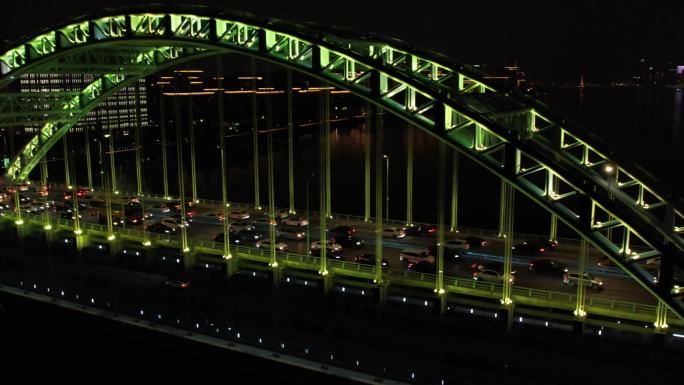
{"x": 84, "y": 101}
{"x": 19, "y": 108}
{"x": 448, "y": 101}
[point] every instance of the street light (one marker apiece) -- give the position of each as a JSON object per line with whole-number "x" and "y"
{"x": 386, "y": 187}
{"x": 609, "y": 169}
{"x": 308, "y": 225}
{"x": 99, "y": 146}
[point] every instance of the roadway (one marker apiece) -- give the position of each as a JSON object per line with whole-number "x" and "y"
{"x": 617, "y": 284}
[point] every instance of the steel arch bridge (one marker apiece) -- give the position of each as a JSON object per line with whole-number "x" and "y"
{"x": 552, "y": 161}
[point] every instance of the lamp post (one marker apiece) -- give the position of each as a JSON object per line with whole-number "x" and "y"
{"x": 609, "y": 169}
{"x": 386, "y": 187}
{"x": 99, "y": 146}
{"x": 308, "y": 225}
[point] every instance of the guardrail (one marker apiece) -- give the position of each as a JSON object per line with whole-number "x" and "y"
{"x": 522, "y": 295}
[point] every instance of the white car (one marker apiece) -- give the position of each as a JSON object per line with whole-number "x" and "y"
{"x": 393, "y": 232}
{"x": 491, "y": 276}
{"x": 301, "y": 221}
{"x": 266, "y": 244}
{"x": 239, "y": 226}
{"x": 238, "y": 215}
{"x": 160, "y": 208}
{"x": 330, "y": 246}
{"x": 173, "y": 223}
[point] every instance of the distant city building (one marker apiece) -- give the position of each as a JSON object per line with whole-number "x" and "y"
{"x": 118, "y": 112}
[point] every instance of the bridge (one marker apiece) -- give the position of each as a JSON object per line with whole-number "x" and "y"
{"x": 614, "y": 208}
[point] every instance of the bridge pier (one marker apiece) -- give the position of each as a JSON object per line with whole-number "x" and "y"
{"x": 276, "y": 275}
{"x": 382, "y": 293}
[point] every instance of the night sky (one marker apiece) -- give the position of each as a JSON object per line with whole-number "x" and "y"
{"x": 550, "y": 40}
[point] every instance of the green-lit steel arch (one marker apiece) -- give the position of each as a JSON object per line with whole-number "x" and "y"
{"x": 554, "y": 162}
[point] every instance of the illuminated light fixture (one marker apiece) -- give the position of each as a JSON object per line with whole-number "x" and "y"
{"x": 265, "y": 88}
{"x": 250, "y": 78}
{"x": 197, "y": 93}
{"x": 47, "y": 227}
{"x": 116, "y": 192}
{"x": 198, "y": 82}
{"x": 78, "y": 231}
{"x": 111, "y": 237}
{"x": 185, "y": 250}
{"x": 189, "y": 71}
{"x": 608, "y": 169}
{"x": 340, "y": 92}
{"x": 227, "y": 257}
{"x": 581, "y": 313}
{"x": 19, "y": 222}
{"x": 323, "y": 273}
{"x": 147, "y": 243}
{"x": 238, "y": 92}
{"x": 273, "y": 264}
{"x": 506, "y": 301}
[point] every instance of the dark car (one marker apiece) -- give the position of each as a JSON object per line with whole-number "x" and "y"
{"x": 547, "y": 266}
{"x": 160, "y": 228}
{"x": 343, "y": 230}
{"x": 476, "y": 242}
{"x": 422, "y": 267}
{"x": 420, "y": 230}
{"x": 244, "y": 237}
{"x": 529, "y": 249}
{"x": 350, "y": 241}
{"x": 369, "y": 259}
{"x": 449, "y": 254}
{"x": 329, "y": 254}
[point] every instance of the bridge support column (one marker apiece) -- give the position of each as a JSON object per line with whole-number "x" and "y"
{"x": 189, "y": 259}
{"x": 271, "y": 187}
{"x": 181, "y": 181}
{"x": 325, "y": 117}
{"x": 89, "y": 166}
{"x": 115, "y": 247}
{"x": 439, "y": 284}
{"x": 290, "y": 142}
{"x": 67, "y": 174}
{"x": 324, "y": 132}
{"x": 44, "y": 185}
{"x": 193, "y": 169}
{"x": 579, "y": 312}
{"x": 277, "y": 275}
{"x": 367, "y": 164}
{"x": 112, "y": 165}
{"x": 454, "y": 192}
{"x": 138, "y": 142}
{"x": 224, "y": 183}
{"x": 661, "y": 318}
{"x": 255, "y": 135}
{"x": 382, "y": 293}
{"x": 231, "y": 266}
{"x": 162, "y": 127}
{"x": 409, "y": 176}
{"x": 507, "y": 202}
{"x": 378, "y": 194}
{"x": 327, "y": 281}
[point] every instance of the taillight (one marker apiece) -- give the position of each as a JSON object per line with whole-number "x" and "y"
{"x": 541, "y": 250}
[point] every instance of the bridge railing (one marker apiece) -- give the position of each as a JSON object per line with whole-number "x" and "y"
{"x": 461, "y": 285}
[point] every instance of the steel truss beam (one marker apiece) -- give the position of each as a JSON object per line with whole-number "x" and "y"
{"x": 426, "y": 91}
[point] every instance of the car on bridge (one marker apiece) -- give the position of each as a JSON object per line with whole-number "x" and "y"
{"x": 291, "y": 232}
{"x": 422, "y": 267}
{"x": 160, "y": 228}
{"x": 158, "y": 209}
{"x": 476, "y": 242}
{"x": 330, "y": 245}
{"x": 547, "y": 266}
{"x": 530, "y": 249}
{"x": 240, "y": 226}
{"x": 369, "y": 259}
{"x": 298, "y": 221}
{"x": 210, "y": 217}
{"x": 342, "y": 230}
{"x": 279, "y": 214}
{"x": 393, "y": 232}
{"x": 420, "y": 230}
{"x": 174, "y": 223}
{"x": 178, "y": 283}
{"x": 493, "y": 276}
{"x": 350, "y": 241}
{"x": 415, "y": 255}
{"x": 574, "y": 278}
{"x": 238, "y": 215}
{"x": 450, "y": 255}
{"x": 329, "y": 254}
{"x": 243, "y": 238}
{"x": 267, "y": 244}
